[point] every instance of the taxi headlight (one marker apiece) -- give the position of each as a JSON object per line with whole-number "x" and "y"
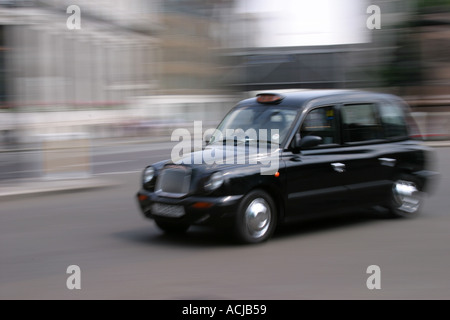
{"x": 214, "y": 182}
{"x": 148, "y": 175}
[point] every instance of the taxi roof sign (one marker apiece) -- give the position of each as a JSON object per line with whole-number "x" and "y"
{"x": 269, "y": 97}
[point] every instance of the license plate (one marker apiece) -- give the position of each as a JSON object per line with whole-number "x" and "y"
{"x": 167, "y": 210}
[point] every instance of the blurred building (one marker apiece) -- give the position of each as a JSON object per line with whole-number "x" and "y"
{"x": 129, "y": 48}
{"x": 128, "y": 51}
{"x": 109, "y": 59}
{"x": 189, "y": 61}
{"x": 300, "y": 44}
{"x": 429, "y": 32}
{"x": 125, "y": 48}
{"x": 124, "y": 54}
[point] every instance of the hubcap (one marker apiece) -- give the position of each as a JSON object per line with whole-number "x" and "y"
{"x": 258, "y": 217}
{"x": 407, "y": 196}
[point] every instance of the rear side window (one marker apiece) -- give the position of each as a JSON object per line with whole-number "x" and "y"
{"x": 393, "y": 119}
{"x": 360, "y": 122}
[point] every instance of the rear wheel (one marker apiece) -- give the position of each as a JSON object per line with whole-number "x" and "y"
{"x": 406, "y": 197}
{"x": 256, "y": 219}
{"x": 171, "y": 227}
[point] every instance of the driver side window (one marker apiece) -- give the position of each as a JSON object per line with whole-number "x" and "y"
{"x": 321, "y": 122}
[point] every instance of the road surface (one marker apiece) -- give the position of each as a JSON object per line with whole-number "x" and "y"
{"x": 121, "y": 255}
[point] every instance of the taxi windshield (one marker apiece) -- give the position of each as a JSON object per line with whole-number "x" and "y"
{"x": 268, "y": 124}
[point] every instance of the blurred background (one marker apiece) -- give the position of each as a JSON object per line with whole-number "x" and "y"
{"x": 83, "y": 111}
{"x": 137, "y": 69}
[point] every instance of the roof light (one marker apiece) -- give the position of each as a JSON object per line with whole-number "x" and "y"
{"x": 269, "y": 98}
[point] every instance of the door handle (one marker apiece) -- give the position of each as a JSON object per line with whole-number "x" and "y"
{"x": 387, "y": 162}
{"x": 338, "y": 167}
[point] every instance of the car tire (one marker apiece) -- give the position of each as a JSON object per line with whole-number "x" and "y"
{"x": 256, "y": 218}
{"x": 406, "y": 197}
{"x": 171, "y": 227}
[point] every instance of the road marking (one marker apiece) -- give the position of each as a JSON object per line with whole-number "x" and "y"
{"x": 118, "y": 172}
{"x": 23, "y": 171}
{"x": 110, "y": 162}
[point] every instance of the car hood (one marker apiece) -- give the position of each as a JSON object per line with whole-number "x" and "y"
{"x": 221, "y": 157}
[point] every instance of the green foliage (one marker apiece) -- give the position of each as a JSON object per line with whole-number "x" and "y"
{"x": 426, "y": 4}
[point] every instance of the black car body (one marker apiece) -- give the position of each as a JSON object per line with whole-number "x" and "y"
{"x": 335, "y": 150}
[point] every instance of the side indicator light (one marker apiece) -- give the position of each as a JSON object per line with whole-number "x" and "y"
{"x": 277, "y": 174}
{"x": 202, "y": 205}
{"x": 142, "y": 197}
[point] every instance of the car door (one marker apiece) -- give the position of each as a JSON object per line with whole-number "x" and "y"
{"x": 316, "y": 178}
{"x": 370, "y": 166}
{"x": 393, "y": 153}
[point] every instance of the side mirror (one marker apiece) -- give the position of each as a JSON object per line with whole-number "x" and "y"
{"x": 208, "y": 138}
{"x": 305, "y": 142}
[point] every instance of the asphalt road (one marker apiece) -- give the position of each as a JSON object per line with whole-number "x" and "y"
{"x": 123, "y": 256}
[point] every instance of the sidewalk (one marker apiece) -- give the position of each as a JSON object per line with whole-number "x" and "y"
{"x": 15, "y": 189}
{"x": 35, "y": 187}
{"x": 437, "y": 144}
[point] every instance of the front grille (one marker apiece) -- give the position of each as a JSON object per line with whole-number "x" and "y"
{"x": 174, "y": 181}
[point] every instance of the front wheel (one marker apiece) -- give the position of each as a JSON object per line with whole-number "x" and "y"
{"x": 256, "y": 219}
{"x": 406, "y": 197}
{"x": 171, "y": 227}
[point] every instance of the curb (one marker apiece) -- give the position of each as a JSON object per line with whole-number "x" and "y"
{"x": 19, "y": 150}
{"x": 42, "y": 187}
{"x": 437, "y": 144}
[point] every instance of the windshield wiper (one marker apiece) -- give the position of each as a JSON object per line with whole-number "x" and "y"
{"x": 224, "y": 141}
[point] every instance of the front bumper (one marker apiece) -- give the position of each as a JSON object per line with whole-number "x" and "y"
{"x": 198, "y": 210}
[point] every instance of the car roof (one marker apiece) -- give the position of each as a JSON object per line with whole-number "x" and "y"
{"x": 302, "y": 96}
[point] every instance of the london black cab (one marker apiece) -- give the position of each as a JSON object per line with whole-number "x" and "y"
{"x": 280, "y": 157}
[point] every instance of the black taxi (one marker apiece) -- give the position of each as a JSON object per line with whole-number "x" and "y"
{"x": 280, "y": 157}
